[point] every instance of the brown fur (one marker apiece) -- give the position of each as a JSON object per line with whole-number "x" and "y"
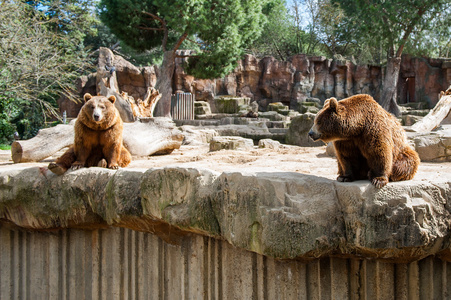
{"x": 369, "y": 142}
{"x": 96, "y": 143}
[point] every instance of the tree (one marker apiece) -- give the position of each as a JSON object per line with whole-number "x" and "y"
{"x": 276, "y": 32}
{"x": 391, "y": 24}
{"x": 34, "y": 68}
{"x": 222, "y": 29}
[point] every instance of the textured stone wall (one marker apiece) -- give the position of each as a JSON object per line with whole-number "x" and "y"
{"x": 118, "y": 263}
{"x": 193, "y": 233}
{"x": 268, "y": 80}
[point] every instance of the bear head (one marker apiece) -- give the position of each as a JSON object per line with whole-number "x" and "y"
{"x": 329, "y": 124}
{"x": 98, "y": 112}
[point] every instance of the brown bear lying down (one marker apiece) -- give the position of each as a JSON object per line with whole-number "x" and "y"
{"x": 98, "y": 138}
{"x": 369, "y": 142}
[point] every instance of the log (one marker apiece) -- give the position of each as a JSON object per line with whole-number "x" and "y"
{"x": 433, "y": 119}
{"x": 142, "y": 138}
{"x": 152, "y": 136}
{"x": 144, "y": 108}
{"x": 47, "y": 142}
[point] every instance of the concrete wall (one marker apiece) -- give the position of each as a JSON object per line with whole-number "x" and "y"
{"x": 123, "y": 264}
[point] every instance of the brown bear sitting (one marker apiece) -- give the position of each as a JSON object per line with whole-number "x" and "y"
{"x": 369, "y": 142}
{"x": 98, "y": 138}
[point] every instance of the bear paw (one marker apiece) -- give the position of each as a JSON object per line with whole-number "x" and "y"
{"x": 102, "y": 163}
{"x": 379, "y": 182}
{"x": 77, "y": 165}
{"x": 342, "y": 178}
{"x": 113, "y": 166}
{"x": 57, "y": 169}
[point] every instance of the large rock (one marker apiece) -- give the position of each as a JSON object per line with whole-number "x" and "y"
{"x": 298, "y": 131}
{"x": 279, "y": 214}
{"x": 434, "y": 146}
{"x": 228, "y": 104}
{"x": 231, "y": 143}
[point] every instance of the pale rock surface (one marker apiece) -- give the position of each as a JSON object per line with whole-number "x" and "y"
{"x": 230, "y": 143}
{"x": 434, "y": 146}
{"x": 284, "y": 203}
{"x": 269, "y": 143}
{"x": 298, "y": 131}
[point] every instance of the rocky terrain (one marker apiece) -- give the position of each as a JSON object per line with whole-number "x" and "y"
{"x": 300, "y": 79}
{"x": 281, "y": 201}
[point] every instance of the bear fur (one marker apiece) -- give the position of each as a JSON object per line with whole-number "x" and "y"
{"x": 98, "y": 138}
{"x": 369, "y": 142}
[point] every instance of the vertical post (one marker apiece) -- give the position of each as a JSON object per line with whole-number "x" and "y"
{"x": 182, "y": 106}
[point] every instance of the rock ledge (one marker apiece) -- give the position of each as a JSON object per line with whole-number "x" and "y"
{"x": 284, "y": 215}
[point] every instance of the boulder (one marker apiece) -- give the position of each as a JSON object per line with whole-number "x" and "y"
{"x": 273, "y": 116}
{"x": 201, "y": 108}
{"x": 269, "y": 143}
{"x": 231, "y": 143}
{"x": 193, "y": 135}
{"x": 229, "y": 104}
{"x": 434, "y": 146}
{"x": 409, "y": 120}
{"x": 277, "y": 106}
{"x": 298, "y": 131}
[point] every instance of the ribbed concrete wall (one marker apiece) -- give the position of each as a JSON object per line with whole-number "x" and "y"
{"x": 124, "y": 264}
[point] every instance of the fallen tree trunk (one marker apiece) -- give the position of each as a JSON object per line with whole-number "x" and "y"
{"x": 141, "y": 138}
{"x": 47, "y": 142}
{"x": 433, "y": 119}
{"x": 152, "y": 136}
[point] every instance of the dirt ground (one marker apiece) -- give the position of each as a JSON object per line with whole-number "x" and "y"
{"x": 306, "y": 160}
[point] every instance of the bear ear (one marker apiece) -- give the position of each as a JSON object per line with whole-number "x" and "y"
{"x": 87, "y": 97}
{"x": 112, "y": 99}
{"x": 333, "y": 104}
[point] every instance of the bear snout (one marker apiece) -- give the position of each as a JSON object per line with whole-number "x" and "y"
{"x": 313, "y": 134}
{"x": 97, "y": 115}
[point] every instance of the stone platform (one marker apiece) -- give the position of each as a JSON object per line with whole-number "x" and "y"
{"x": 267, "y": 207}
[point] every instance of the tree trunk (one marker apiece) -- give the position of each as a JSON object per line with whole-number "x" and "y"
{"x": 44, "y": 144}
{"x": 141, "y": 138}
{"x": 389, "y": 87}
{"x": 433, "y": 119}
{"x": 164, "y": 84}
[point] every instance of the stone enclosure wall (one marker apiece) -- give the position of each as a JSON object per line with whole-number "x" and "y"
{"x": 268, "y": 80}
{"x": 192, "y": 233}
{"x": 120, "y": 263}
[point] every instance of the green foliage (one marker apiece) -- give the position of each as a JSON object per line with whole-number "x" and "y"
{"x": 128, "y": 21}
{"x": 302, "y": 27}
{"x": 221, "y": 29}
{"x": 37, "y": 64}
{"x": 226, "y": 29}
{"x": 7, "y": 111}
{"x": 17, "y": 115}
{"x": 359, "y": 30}
{"x": 276, "y": 37}
{"x": 392, "y": 25}
{"x": 71, "y": 18}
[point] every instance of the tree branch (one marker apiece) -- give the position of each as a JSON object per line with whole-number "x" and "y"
{"x": 150, "y": 28}
{"x": 164, "y": 28}
{"x": 180, "y": 41}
